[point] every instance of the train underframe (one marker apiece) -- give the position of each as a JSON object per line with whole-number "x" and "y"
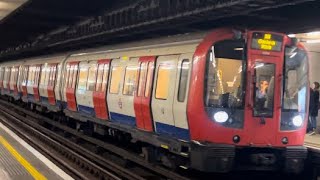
{"x": 175, "y": 154}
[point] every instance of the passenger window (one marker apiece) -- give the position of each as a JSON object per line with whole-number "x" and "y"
{"x": 83, "y": 76}
{"x": 43, "y": 76}
{"x": 31, "y": 76}
{"x": 115, "y": 79}
{"x": 47, "y": 73}
{"x": 99, "y": 77}
{"x": 130, "y": 79}
{"x": 74, "y": 77}
{"x": 50, "y": 74}
{"x": 54, "y": 75}
{"x": 149, "y": 79}
{"x": 92, "y": 77}
{"x": 105, "y": 77}
{"x": 142, "y": 78}
{"x": 67, "y": 76}
{"x": 70, "y": 76}
{"x": 12, "y": 77}
{"x": 183, "y": 80}
{"x": 163, "y": 78}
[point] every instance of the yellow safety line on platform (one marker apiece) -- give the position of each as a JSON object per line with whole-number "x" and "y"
{"x": 35, "y": 173}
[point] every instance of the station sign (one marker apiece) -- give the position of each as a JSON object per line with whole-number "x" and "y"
{"x": 266, "y": 41}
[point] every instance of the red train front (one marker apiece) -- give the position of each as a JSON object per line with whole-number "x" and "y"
{"x": 248, "y": 102}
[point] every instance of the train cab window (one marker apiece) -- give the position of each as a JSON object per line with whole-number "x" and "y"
{"x": 295, "y": 80}
{"x": 91, "y": 77}
{"x": 130, "y": 81}
{"x": 225, "y": 75}
{"x": 115, "y": 79}
{"x": 149, "y": 79}
{"x": 83, "y": 76}
{"x": 184, "y": 71}
{"x": 163, "y": 81}
{"x": 264, "y": 89}
{"x": 142, "y": 78}
{"x": 224, "y": 88}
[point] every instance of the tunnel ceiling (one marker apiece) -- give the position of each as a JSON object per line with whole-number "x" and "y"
{"x": 48, "y": 26}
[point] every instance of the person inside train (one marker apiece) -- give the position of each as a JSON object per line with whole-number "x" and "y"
{"x": 261, "y": 94}
{"x": 313, "y": 107}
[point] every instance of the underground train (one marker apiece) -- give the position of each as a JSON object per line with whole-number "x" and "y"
{"x": 212, "y": 101}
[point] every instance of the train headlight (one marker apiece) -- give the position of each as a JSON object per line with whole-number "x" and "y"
{"x": 221, "y": 116}
{"x": 297, "y": 121}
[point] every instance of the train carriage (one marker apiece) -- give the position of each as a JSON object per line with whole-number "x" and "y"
{"x": 211, "y": 101}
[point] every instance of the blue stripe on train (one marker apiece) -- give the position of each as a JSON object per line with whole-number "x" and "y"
{"x": 172, "y": 131}
{"x": 30, "y": 97}
{"x": 87, "y": 110}
{"x": 163, "y": 129}
{"x": 44, "y": 100}
{"x": 123, "y": 119}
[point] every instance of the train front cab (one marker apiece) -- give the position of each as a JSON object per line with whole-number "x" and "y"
{"x": 253, "y": 113}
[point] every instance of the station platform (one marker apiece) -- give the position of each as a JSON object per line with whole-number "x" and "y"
{"x": 312, "y": 141}
{"x": 18, "y": 160}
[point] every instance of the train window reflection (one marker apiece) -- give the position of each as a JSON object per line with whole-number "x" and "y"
{"x": 295, "y": 80}
{"x": 225, "y": 75}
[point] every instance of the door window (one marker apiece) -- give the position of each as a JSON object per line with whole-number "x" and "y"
{"x": 142, "y": 78}
{"x": 163, "y": 82}
{"x": 130, "y": 79}
{"x": 264, "y": 89}
{"x": 115, "y": 79}
{"x": 183, "y": 80}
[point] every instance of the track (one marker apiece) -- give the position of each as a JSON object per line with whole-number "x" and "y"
{"x": 84, "y": 162}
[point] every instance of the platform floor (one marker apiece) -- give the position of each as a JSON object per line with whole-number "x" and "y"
{"x": 313, "y": 140}
{"x": 18, "y": 160}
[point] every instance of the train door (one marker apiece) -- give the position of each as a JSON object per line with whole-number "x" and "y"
{"x": 36, "y": 93}
{"x": 70, "y": 85}
{"x": 58, "y": 85}
{"x": 86, "y": 85}
{"x": 14, "y": 79}
{"x": 51, "y": 83}
{"x": 265, "y": 81}
{"x": 142, "y": 99}
{"x": 25, "y": 76}
{"x": 163, "y": 94}
{"x": 180, "y": 98}
{"x": 20, "y": 79}
{"x": 115, "y": 103}
{"x": 99, "y": 94}
{"x": 43, "y": 83}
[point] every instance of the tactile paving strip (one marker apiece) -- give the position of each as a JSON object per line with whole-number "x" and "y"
{"x": 10, "y": 168}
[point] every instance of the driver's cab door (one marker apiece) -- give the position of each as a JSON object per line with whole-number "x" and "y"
{"x": 263, "y": 105}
